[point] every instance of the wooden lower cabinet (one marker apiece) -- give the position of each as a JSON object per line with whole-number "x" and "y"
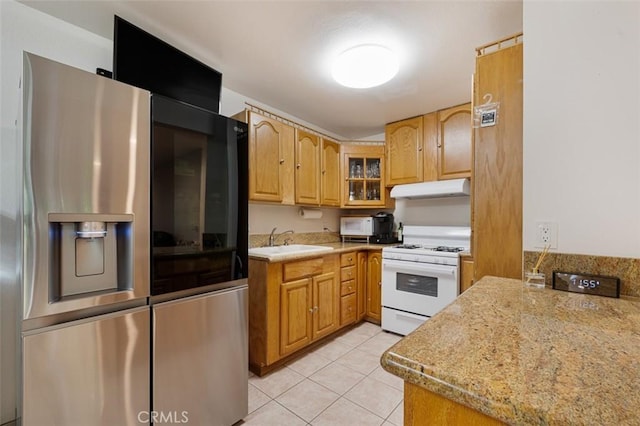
{"x": 361, "y": 285}
{"x": 295, "y": 319}
{"x": 348, "y": 287}
{"x": 326, "y": 309}
{"x": 423, "y": 407}
{"x": 308, "y": 311}
{"x": 374, "y": 287}
{"x": 466, "y": 272}
{"x": 293, "y": 304}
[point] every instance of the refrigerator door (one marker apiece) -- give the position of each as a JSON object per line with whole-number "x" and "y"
{"x": 88, "y": 372}
{"x": 200, "y": 357}
{"x": 86, "y": 154}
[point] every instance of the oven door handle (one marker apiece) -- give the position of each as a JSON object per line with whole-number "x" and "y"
{"x": 418, "y": 267}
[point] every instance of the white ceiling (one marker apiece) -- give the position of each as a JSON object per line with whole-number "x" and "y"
{"x": 279, "y": 52}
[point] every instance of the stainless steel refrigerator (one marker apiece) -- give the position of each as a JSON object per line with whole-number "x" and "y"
{"x": 121, "y": 325}
{"x": 85, "y": 330}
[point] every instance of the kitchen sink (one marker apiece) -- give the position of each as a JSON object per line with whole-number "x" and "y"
{"x": 282, "y": 251}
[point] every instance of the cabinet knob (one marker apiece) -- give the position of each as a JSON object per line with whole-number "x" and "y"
{"x": 380, "y": 283}
{"x": 419, "y": 149}
{"x": 282, "y": 161}
{"x": 350, "y": 288}
{"x": 350, "y": 260}
{"x": 311, "y": 310}
{"x": 298, "y": 166}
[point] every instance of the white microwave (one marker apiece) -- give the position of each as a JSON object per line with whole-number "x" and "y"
{"x": 356, "y": 226}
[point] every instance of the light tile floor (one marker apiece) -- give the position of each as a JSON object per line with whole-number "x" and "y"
{"x": 339, "y": 383}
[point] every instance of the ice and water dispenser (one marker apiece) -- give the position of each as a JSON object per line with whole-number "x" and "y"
{"x": 89, "y": 253}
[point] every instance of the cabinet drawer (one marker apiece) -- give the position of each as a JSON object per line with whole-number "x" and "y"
{"x": 348, "y": 259}
{"x": 348, "y": 273}
{"x": 347, "y": 287}
{"x": 347, "y": 309}
{"x": 302, "y": 268}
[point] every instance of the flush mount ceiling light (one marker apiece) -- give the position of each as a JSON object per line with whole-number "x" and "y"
{"x": 364, "y": 66}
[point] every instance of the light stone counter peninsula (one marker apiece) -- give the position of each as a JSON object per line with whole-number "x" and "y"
{"x": 523, "y": 356}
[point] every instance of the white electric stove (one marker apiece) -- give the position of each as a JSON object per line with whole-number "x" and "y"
{"x": 421, "y": 276}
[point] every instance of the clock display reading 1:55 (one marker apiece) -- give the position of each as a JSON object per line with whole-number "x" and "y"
{"x": 589, "y": 284}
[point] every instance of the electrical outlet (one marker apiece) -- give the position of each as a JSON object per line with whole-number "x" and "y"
{"x": 547, "y": 234}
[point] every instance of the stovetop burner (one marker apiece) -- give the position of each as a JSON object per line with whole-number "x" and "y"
{"x": 408, "y": 246}
{"x": 448, "y": 249}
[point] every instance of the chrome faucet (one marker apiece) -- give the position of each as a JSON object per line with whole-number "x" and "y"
{"x": 273, "y": 236}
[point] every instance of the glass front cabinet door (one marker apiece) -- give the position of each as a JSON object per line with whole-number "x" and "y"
{"x": 363, "y": 168}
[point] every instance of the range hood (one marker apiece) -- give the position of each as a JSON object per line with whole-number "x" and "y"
{"x": 436, "y": 189}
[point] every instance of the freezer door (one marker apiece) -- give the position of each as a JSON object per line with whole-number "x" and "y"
{"x": 200, "y": 358}
{"x": 88, "y": 372}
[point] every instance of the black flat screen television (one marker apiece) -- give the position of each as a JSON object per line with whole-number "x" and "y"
{"x": 145, "y": 61}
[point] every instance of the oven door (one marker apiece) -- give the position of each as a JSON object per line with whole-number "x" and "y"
{"x": 419, "y": 288}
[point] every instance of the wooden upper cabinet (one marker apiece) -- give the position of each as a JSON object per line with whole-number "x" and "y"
{"x": 271, "y": 157}
{"x": 307, "y": 175}
{"x": 330, "y": 174}
{"x": 362, "y": 176}
{"x": 430, "y": 150}
{"x": 403, "y": 151}
{"x": 454, "y": 142}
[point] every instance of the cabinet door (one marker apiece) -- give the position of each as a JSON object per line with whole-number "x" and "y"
{"x": 374, "y": 282}
{"x": 498, "y": 161}
{"x": 326, "y": 304}
{"x": 403, "y": 142}
{"x": 466, "y": 273}
{"x": 430, "y": 151}
{"x": 454, "y": 142}
{"x": 271, "y": 156}
{"x": 330, "y": 174}
{"x": 295, "y": 315}
{"x": 307, "y": 168}
{"x": 361, "y": 284}
{"x": 363, "y": 176}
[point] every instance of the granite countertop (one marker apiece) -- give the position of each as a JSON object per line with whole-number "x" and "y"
{"x": 338, "y": 247}
{"x": 529, "y": 356}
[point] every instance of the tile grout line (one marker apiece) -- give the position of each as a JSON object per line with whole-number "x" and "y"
{"x": 340, "y": 395}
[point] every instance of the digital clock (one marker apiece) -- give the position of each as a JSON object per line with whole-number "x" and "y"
{"x": 589, "y": 284}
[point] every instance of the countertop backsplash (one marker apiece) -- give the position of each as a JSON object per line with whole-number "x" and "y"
{"x": 261, "y": 240}
{"x": 627, "y": 269}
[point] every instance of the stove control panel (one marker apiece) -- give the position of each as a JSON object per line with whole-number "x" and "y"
{"x": 421, "y": 258}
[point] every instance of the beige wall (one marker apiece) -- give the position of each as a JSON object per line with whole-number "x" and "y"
{"x": 582, "y": 125}
{"x": 264, "y": 217}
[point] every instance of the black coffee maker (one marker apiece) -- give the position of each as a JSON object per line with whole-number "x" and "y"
{"x": 383, "y": 228}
